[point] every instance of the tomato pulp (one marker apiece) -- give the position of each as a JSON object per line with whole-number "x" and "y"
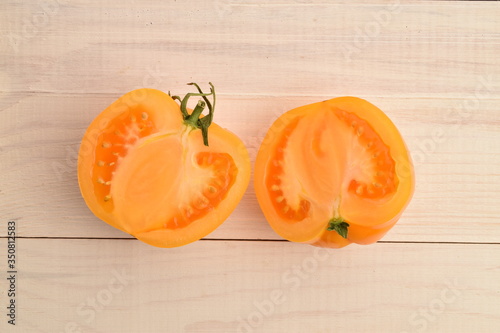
{"x": 159, "y": 171}
{"x": 333, "y": 173}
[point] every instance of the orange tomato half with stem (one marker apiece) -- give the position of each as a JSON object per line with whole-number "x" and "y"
{"x": 159, "y": 171}
{"x": 333, "y": 173}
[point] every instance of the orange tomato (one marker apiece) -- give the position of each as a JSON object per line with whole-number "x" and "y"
{"x": 333, "y": 173}
{"x": 160, "y": 172}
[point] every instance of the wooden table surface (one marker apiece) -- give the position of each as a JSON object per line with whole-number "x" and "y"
{"x": 433, "y": 67}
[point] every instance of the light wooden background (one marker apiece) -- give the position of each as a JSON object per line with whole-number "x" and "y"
{"x": 433, "y": 67}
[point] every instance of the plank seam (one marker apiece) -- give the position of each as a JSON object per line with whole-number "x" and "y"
{"x": 115, "y": 95}
{"x": 254, "y": 240}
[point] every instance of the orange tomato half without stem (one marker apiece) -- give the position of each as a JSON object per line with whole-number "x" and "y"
{"x": 159, "y": 171}
{"x": 333, "y": 173}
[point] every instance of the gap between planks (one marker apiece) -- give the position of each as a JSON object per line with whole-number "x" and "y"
{"x": 114, "y": 95}
{"x": 255, "y": 240}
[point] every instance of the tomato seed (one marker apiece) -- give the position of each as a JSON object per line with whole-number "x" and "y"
{"x": 204, "y": 199}
{"x": 144, "y": 116}
{"x": 359, "y": 190}
{"x": 106, "y": 144}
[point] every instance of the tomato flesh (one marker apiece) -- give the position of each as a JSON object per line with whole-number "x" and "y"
{"x": 215, "y": 190}
{"x": 382, "y": 167}
{"x": 113, "y": 145}
{"x": 145, "y": 171}
{"x": 333, "y": 161}
{"x": 275, "y": 180}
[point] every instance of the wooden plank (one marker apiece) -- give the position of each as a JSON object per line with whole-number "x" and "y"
{"x": 455, "y": 151}
{"x": 215, "y": 286}
{"x": 432, "y": 66}
{"x": 420, "y": 49}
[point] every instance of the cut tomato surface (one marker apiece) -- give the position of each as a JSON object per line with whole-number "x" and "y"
{"x": 333, "y": 173}
{"x": 160, "y": 172}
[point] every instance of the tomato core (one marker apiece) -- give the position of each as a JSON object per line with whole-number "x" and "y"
{"x": 224, "y": 173}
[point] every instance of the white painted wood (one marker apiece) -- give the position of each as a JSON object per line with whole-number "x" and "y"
{"x": 432, "y": 66}
{"x": 420, "y": 49}
{"x": 457, "y": 158}
{"x": 209, "y": 286}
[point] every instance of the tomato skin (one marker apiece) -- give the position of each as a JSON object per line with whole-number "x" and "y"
{"x": 142, "y": 169}
{"x": 341, "y": 159}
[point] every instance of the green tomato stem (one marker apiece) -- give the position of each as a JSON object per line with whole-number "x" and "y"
{"x": 194, "y": 119}
{"x": 339, "y": 225}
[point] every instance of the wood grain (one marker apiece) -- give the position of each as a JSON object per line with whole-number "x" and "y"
{"x": 432, "y": 66}
{"x": 456, "y": 157}
{"x": 216, "y": 286}
{"x": 383, "y": 48}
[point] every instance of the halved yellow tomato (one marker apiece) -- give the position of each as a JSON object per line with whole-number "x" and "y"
{"x": 333, "y": 173}
{"x": 159, "y": 171}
